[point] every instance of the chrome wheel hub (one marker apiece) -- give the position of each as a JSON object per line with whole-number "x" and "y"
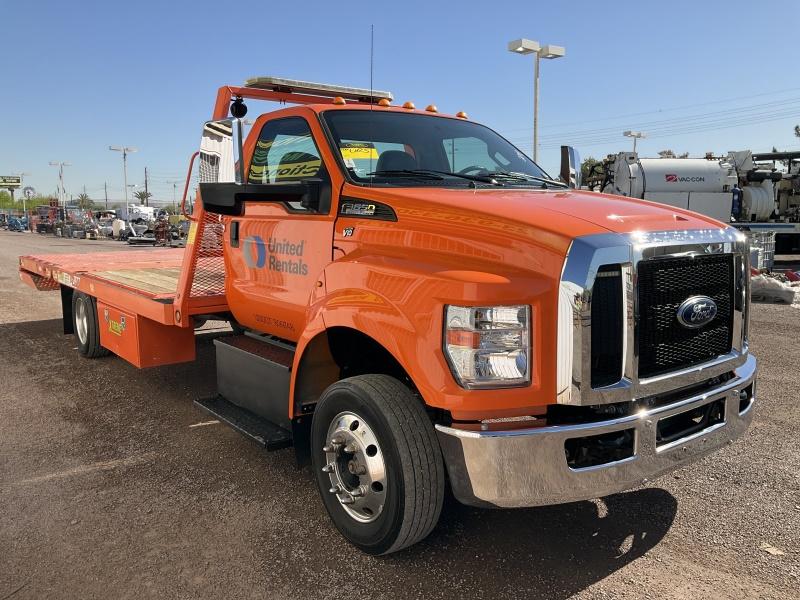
{"x": 354, "y": 463}
{"x": 82, "y": 321}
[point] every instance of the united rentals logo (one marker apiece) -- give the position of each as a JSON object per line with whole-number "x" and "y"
{"x": 696, "y": 312}
{"x": 275, "y": 254}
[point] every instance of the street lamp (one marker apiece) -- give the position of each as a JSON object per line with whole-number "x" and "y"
{"x": 174, "y": 193}
{"x": 11, "y": 190}
{"x": 62, "y": 194}
{"x": 636, "y": 135}
{"x": 523, "y": 46}
{"x": 125, "y": 151}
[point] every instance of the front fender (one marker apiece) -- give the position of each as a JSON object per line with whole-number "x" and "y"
{"x": 400, "y": 305}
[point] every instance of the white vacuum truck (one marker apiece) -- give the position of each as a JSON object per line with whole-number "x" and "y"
{"x": 734, "y": 188}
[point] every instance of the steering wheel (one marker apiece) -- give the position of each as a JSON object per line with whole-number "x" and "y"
{"x": 467, "y": 170}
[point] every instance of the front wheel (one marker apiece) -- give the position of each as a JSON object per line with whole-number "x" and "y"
{"x": 377, "y": 463}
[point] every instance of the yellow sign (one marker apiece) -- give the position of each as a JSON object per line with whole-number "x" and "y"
{"x": 192, "y": 233}
{"x": 115, "y": 327}
{"x": 359, "y": 150}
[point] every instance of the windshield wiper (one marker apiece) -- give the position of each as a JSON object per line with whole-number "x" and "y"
{"x": 434, "y": 174}
{"x": 526, "y": 177}
{"x": 480, "y": 178}
{"x": 411, "y": 174}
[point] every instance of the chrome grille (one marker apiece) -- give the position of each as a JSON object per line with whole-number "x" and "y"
{"x": 660, "y": 270}
{"x": 663, "y": 284}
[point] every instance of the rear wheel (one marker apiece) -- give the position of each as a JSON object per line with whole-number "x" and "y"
{"x": 377, "y": 463}
{"x": 85, "y": 326}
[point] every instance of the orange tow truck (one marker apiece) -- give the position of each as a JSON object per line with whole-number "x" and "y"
{"x": 416, "y": 302}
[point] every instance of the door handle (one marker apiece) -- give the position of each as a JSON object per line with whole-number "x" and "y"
{"x": 234, "y": 234}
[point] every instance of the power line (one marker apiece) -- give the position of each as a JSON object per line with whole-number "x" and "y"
{"x": 787, "y": 108}
{"x": 768, "y": 109}
{"x": 658, "y": 111}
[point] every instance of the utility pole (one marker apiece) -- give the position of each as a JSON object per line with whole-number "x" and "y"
{"x": 62, "y": 193}
{"x": 174, "y": 194}
{"x": 146, "y": 197}
{"x": 105, "y": 191}
{"x": 125, "y": 151}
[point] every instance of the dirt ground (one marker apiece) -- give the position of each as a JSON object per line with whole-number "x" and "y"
{"x": 112, "y": 487}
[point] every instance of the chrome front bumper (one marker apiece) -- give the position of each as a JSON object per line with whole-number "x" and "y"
{"x": 528, "y": 467}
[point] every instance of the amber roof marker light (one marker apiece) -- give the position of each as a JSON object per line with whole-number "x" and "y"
{"x": 431, "y": 108}
{"x": 409, "y": 105}
{"x": 462, "y": 115}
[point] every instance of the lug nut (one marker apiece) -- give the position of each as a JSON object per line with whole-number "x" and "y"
{"x": 351, "y": 448}
{"x": 346, "y": 500}
{"x": 327, "y": 449}
{"x": 359, "y": 491}
{"x": 327, "y": 468}
{"x": 336, "y": 489}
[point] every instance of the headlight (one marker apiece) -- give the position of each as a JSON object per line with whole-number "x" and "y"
{"x": 488, "y": 346}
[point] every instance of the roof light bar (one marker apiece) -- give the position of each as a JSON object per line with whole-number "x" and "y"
{"x": 294, "y": 86}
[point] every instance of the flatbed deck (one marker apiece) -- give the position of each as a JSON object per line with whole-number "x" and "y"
{"x": 146, "y": 282}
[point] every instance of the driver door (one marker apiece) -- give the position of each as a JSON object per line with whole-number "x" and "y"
{"x": 276, "y": 251}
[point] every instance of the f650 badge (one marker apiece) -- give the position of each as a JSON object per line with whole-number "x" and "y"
{"x": 697, "y": 311}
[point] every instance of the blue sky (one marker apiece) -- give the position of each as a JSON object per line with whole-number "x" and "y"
{"x": 81, "y": 75}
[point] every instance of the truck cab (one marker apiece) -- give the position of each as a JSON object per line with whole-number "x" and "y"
{"x": 419, "y": 303}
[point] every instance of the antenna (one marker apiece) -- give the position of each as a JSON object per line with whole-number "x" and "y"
{"x": 371, "y": 98}
{"x": 371, "y": 59}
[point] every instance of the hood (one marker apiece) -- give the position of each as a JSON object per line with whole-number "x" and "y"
{"x": 570, "y": 213}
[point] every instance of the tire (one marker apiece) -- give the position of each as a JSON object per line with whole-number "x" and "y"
{"x": 85, "y": 326}
{"x": 376, "y": 424}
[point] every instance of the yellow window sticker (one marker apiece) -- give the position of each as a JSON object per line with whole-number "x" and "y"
{"x": 358, "y": 150}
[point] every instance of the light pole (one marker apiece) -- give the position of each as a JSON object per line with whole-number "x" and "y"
{"x": 62, "y": 194}
{"x": 636, "y": 135}
{"x": 174, "y": 193}
{"x": 24, "y": 197}
{"x": 125, "y": 151}
{"x": 523, "y": 46}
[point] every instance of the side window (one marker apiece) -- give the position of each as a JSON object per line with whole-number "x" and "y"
{"x": 467, "y": 152}
{"x": 285, "y": 151}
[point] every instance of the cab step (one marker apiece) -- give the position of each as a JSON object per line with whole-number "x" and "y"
{"x": 260, "y": 430}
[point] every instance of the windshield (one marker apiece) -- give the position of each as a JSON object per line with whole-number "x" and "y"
{"x": 411, "y": 149}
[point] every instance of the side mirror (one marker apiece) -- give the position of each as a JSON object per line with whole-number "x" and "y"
{"x": 570, "y": 167}
{"x": 221, "y": 152}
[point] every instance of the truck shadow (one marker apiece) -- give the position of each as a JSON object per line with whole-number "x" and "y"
{"x": 549, "y": 552}
{"x": 545, "y": 552}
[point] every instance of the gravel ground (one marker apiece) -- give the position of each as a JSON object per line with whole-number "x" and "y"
{"x": 112, "y": 487}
